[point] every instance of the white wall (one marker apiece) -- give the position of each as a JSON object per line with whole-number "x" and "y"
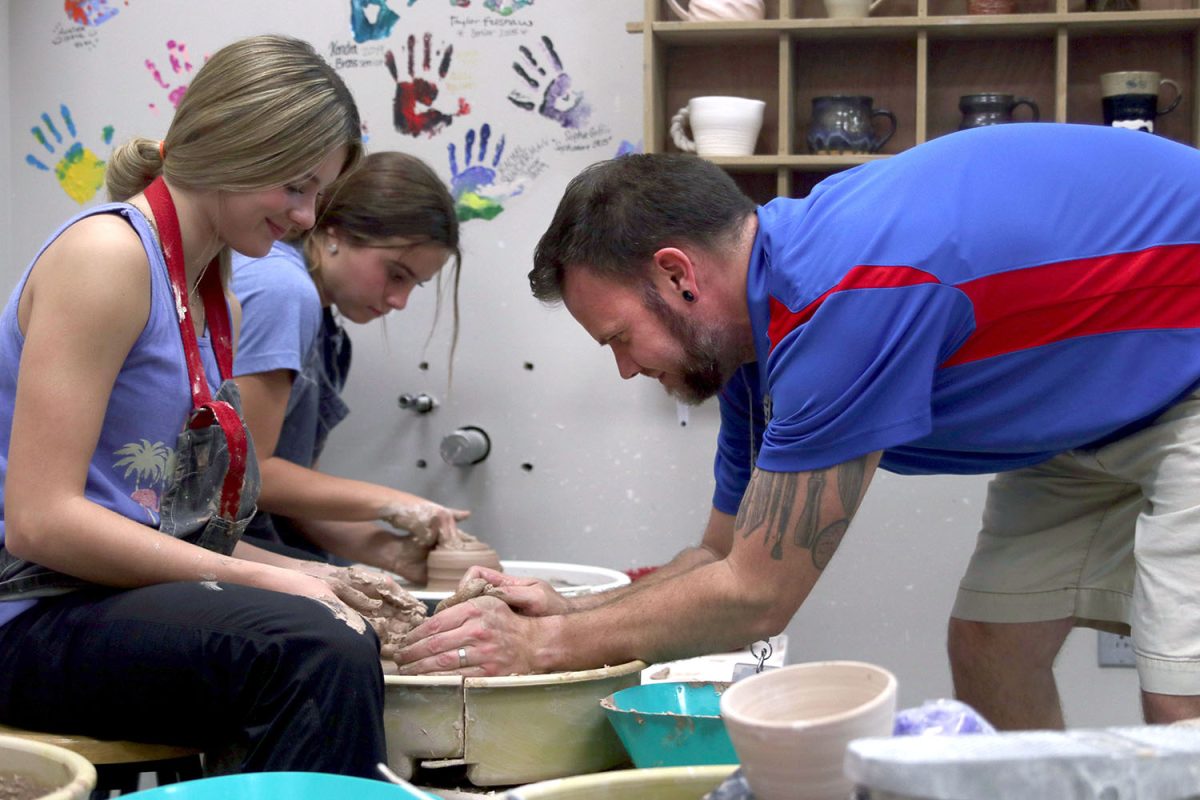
{"x": 616, "y": 480}
{"x": 6, "y": 149}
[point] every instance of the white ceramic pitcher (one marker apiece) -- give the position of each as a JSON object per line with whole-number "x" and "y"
{"x": 713, "y": 10}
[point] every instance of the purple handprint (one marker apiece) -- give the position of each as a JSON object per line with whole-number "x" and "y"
{"x": 419, "y": 91}
{"x": 558, "y": 103}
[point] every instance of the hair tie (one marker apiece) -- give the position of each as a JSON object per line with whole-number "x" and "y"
{"x": 162, "y": 150}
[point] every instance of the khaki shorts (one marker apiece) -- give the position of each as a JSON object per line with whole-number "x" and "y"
{"x": 1110, "y": 537}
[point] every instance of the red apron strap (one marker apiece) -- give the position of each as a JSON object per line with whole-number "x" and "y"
{"x": 216, "y": 311}
{"x": 172, "y": 244}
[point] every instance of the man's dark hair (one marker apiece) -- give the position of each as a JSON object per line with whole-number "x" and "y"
{"x": 615, "y": 214}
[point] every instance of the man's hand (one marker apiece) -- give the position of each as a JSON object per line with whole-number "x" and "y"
{"x": 492, "y": 640}
{"x": 532, "y": 597}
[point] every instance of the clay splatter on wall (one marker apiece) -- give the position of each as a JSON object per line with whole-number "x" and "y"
{"x": 79, "y": 171}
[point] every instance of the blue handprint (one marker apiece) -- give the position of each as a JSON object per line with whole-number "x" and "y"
{"x": 80, "y": 172}
{"x": 559, "y": 103}
{"x": 366, "y": 29}
{"x": 506, "y": 7}
{"x": 476, "y": 195}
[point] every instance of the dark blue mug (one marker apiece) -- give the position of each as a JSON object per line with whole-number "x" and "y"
{"x": 846, "y": 124}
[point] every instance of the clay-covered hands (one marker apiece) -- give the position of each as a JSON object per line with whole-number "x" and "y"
{"x": 480, "y": 637}
{"x": 430, "y": 524}
{"x": 390, "y": 611}
{"x": 532, "y": 597}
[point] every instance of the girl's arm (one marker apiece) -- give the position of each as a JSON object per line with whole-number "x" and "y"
{"x": 85, "y": 304}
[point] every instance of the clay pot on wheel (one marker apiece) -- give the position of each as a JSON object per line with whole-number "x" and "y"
{"x": 447, "y": 565}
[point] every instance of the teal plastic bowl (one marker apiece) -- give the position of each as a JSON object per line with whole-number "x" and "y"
{"x": 671, "y": 724}
{"x": 274, "y": 785}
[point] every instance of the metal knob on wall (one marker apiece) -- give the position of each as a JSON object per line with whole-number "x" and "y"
{"x": 466, "y": 446}
{"x": 420, "y": 403}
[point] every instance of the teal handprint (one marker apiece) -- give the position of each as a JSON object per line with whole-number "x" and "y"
{"x": 79, "y": 171}
{"x": 476, "y": 194}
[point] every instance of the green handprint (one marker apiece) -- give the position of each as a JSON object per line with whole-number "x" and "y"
{"x": 80, "y": 172}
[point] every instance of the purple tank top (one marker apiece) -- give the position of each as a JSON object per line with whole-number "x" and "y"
{"x": 149, "y": 404}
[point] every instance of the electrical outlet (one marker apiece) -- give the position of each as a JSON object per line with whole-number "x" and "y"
{"x": 1115, "y": 651}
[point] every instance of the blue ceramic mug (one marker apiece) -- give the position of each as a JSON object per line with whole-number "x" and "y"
{"x": 846, "y": 124}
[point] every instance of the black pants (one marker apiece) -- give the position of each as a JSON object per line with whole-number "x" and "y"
{"x": 272, "y": 677}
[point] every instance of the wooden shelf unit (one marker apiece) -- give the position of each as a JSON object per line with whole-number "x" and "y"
{"x": 915, "y": 57}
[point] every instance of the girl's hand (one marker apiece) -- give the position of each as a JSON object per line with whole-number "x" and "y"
{"x": 430, "y": 524}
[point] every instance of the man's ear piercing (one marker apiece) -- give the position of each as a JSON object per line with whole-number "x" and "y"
{"x": 688, "y": 296}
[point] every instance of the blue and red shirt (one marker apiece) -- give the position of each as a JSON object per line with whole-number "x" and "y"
{"x": 979, "y": 303}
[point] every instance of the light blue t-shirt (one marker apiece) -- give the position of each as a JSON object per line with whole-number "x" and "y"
{"x": 285, "y": 327}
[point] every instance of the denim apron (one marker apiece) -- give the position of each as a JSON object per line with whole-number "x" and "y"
{"x": 211, "y": 495}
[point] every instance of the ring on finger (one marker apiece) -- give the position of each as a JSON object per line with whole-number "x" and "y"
{"x": 462, "y": 657}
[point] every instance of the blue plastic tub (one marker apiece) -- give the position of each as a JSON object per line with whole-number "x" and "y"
{"x": 275, "y": 785}
{"x": 671, "y": 724}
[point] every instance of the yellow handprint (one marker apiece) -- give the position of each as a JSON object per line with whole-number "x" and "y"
{"x": 80, "y": 172}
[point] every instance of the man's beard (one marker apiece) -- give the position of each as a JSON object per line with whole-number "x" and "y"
{"x": 709, "y": 356}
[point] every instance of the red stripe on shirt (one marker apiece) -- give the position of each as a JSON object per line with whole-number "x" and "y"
{"x": 783, "y": 320}
{"x": 1020, "y": 309}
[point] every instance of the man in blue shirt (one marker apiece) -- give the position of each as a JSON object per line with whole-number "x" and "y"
{"x": 1019, "y": 299}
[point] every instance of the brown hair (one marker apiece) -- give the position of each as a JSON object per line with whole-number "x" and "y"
{"x": 260, "y": 112}
{"x": 615, "y": 214}
{"x": 393, "y": 195}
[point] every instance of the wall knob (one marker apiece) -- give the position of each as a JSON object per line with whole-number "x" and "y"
{"x": 420, "y": 403}
{"x": 466, "y": 446}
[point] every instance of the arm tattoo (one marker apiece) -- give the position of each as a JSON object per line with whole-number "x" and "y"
{"x": 806, "y": 531}
{"x": 850, "y": 483}
{"x": 770, "y": 502}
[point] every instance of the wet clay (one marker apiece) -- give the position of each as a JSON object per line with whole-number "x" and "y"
{"x": 21, "y": 787}
{"x": 448, "y": 562}
{"x": 476, "y": 587}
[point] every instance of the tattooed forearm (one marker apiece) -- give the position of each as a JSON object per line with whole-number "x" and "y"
{"x": 827, "y": 543}
{"x": 806, "y": 531}
{"x": 850, "y": 478}
{"x": 753, "y": 510}
{"x": 770, "y": 505}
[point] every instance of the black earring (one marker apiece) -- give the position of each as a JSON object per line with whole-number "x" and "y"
{"x": 688, "y": 296}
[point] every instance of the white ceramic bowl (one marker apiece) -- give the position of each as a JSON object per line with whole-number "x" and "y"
{"x": 790, "y": 726}
{"x": 657, "y": 783}
{"x": 67, "y": 775}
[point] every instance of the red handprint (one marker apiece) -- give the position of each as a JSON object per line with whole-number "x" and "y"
{"x": 419, "y": 92}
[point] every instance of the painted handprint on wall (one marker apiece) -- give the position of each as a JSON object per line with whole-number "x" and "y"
{"x": 628, "y": 148}
{"x": 476, "y": 193}
{"x": 181, "y": 69}
{"x": 413, "y": 112}
{"x": 89, "y": 12}
{"x": 79, "y": 171}
{"x": 558, "y": 101}
{"x": 372, "y": 19}
{"x": 506, "y": 7}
